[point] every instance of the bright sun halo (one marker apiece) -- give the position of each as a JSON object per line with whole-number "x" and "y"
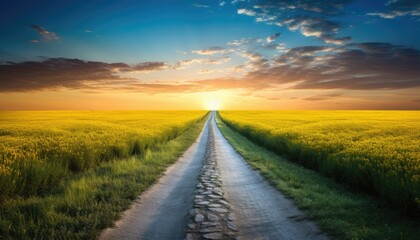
{"x": 213, "y": 105}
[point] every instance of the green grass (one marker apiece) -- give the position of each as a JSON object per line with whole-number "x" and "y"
{"x": 38, "y": 149}
{"x": 338, "y": 211}
{"x": 373, "y": 151}
{"x": 91, "y": 200}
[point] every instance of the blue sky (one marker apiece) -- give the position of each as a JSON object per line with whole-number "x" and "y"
{"x": 168, "y": 32}
{"x": 135, "y": 31}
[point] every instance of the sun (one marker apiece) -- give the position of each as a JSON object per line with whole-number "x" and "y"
{"x": 213, "y": 105}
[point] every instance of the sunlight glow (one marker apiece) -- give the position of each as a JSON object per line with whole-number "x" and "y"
{"x": 213, "y": 105}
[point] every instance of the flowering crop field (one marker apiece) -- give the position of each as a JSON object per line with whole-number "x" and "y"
{"x": 377, "y": 151}
{"x": 40, "y": 148}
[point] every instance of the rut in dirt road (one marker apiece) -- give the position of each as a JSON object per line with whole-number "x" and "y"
{"x": 212, "y": 193}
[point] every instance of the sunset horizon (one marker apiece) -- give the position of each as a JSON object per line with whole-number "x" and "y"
{"x": 210, "y": 119}
{"x": 167, "y": 55}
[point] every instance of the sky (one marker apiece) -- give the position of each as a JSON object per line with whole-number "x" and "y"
{"x": 210, "y": 54}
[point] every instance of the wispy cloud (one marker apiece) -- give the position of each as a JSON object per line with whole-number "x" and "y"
{"x": 398, "y": 8}
{"x": 148, "y": 67}
{"x": 211, "y": 51}
{"x": 54, "y": 73}
{"x": 320, "y": 67}
{"x": 315, "y": 27}
{"x": 308, "y": 17}
{"x": 244, "y": 42}
{"x": 182, "y": 52}
{"x": 247, "y": 12}
{"x": 256, "y": 60}
{"x": 322, "y": 97}
{"x": 200, "y": 61}
{"x": 46, "y": 35}
{"x": 309, "y": 67}
{"x": 198, "y": 5}
{"x": 272, "y": 38}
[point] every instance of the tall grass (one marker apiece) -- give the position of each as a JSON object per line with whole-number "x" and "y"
{"x": 39, "y": 149}
{"x": 342, "y": 213}
{"x": 372, "y": 151}
{"x": 89, "y": 201}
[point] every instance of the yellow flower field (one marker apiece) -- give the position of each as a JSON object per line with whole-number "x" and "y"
{"x": 39, "y": 148}
{"x": 376, "y": 151}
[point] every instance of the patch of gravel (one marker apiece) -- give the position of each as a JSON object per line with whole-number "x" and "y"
{"x": 210, "y": 217}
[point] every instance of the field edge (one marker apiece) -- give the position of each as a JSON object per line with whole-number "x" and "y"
{"x": 339, "y": 212}
{"x": 92, "y": 200}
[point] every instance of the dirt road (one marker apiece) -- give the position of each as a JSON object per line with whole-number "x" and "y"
{"x": 211, "y": 193}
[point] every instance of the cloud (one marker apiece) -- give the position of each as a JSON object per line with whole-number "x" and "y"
{"x": 398, "y": 8}
{"x": 256, "y": 60}
{"x": 211, "y": 51}
{"x": 315, "y": 27}
{"x": 356, "y": 66}
{"x": 197, "y": 5}
{"x": 182, "y": 52}
{"x": 320, "y": 67}
{"x": 362, "y": 66}
{"x": 237, "y": 1}
{"x": 55, "y": 73}
{"x": 205, "y": 71}
{"x": 247, "y": 12}
{"x": 46, "y": 35}
{"x": 322, "y": 97}
{"x": 244, "y": 41}
{"x": 324, "y": 7}
{"x": 359, "y": 66}
{"x": 148, "y": 67}
{"x": 272, "y": 38}
{"x": 209, "y": 71}
{"x": 222, "y": 4}
{"x": 308, "y": 17}
{"x": 206, "y": 61}
{"x": 274, "y": 46}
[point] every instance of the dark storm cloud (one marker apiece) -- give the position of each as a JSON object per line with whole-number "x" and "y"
{"x": 308, "y": 17}
{"x": 46, "y": 35}
{"x": 397, "y": 8}
{"x": 56, "y": 73}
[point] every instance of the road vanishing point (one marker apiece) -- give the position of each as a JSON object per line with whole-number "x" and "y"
{"x": 212, "y": 193}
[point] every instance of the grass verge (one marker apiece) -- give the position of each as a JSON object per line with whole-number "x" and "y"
{"x": 90, "y": 201}
{"x": 338, "y": 211}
